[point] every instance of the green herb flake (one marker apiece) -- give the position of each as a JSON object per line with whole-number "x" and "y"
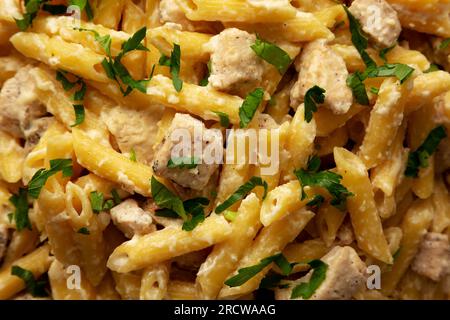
{"x": 114, "y": 68}
{"x": 84, "y": 231}
{"x": 314, "y": 96}
{"x": 359, "y": 39}
{"x": 444, "y": 44}
{"x": 183, "y": 163}
{"x": 35, "y": 287}
{"x": 96, "y": 201}
{"x": 133, "y": 155}
{"x": 242, "y": 192}
{"x": 356, "y": 84}
{"x": 316, "y": 202}
{"x": 324, "y": 179}
{"x": 175, "y": 64}
{"x": 41, "y": 176}
{"x": 79, "y": 114}
{"x": 307, "y": 289}
{"x": 272, "y": 54}
{"x": 249, "y": 106}
{"x": 31, "y": 10}
{"x": 20, "y": 215}
{"x": 419, "y": 158}
{"x": 224, "y": 119}
{"x": 205, "y": 81}
{"x": 164, "y": 198}
{"x": 385, "y": 51}
{"x": 66, "y": 83}
{"x": 401, "y": 71}
{"x": 194, "y": 209}
{"x": 374, "y": 90}
{"x": 247, "y": 273}
{"x": 433, "y": 67}
{"x": 116, "y": 197}
{"x": 230, "y": 215}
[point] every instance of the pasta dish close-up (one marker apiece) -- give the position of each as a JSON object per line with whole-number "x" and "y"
{"x": 224, "y": 150}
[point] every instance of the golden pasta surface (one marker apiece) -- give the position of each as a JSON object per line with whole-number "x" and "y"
{"x": 224, "y": 149}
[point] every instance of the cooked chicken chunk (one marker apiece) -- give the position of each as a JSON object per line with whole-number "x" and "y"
{"x": 433, "y": 258}
{"x": 4, "y": 236}
{"x": 378, "y": 19}
{"x": 265, "y": 121}
{"x": 179, "y": 145}
{"x": 345, "y": 276}
{"x": 320, "y": 65}
{"x": 36, "y": 130}
{"x": 19, "y": 106}
{"x": 133, "y": 129}
{"x": 235, "y": 68}
{"x": 129, "y": 218}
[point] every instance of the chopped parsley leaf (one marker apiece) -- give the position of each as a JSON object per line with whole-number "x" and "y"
{"x": 247, "y": 273}
{"x": 224, "y": 119}
{"x": 242, "y": 192}
{"x": 84, "y": 231}
{"x": 183, "y": 163}
{"x": 315, "y": 95}
{"x": 35, "y": 287}
{"x": 249, "y": 106}
{"x": 316, "y": 202}
{"x": 433, "y": 67}
{"x": 324, "y": 179}
{"x": 374, "y": 90}
{"x": 79, "y": 114}
{"x": 419, "y": 158}
{"x": 444, "y": 44}
{"x": 230, "y": 215}
{"x": 31, "y": 10}
{"x": 165, "y": 199}
{"x": 307, "y": 289}
{"x": 385, "y": 51}
{"x": 41, "y": 176}
{"x": 272, "y": 54}
{"x": 96, "y": 201}
{"x": 20, "y": 215}
{"x": 205, "y": 81}
{"x": 133, "y": 155}
{"x": 116, "y": 197}
{"x": 355, "y": 82}
{"x": 114, "y": 68}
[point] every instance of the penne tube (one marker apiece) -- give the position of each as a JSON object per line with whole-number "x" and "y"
{"x": 165, "y": 244}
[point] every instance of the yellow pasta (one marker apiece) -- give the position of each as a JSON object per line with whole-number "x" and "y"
{"x": 303, "y": 27}
{"x": 191, "y": 43}
{"x": 271, "y": 240}
{"x": 108, "y": 13}
{"x": 298, "y": 176}
{"x": 12, "y": 157}
{"x": 363, "y": 212}
{"x": 58, "y": 53}
{"x": 225, "y": 256}
{"x": 414, "y": 226}
{"x": 37, "y": 262}
{"x": 300, "y": 143}
{"x": 154, "y": 284}
{"x": 167, "y": 243}
{"x": 236, "y": 10}
{"x": 103, "y": 161}
{"x": 386, "y": 114}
